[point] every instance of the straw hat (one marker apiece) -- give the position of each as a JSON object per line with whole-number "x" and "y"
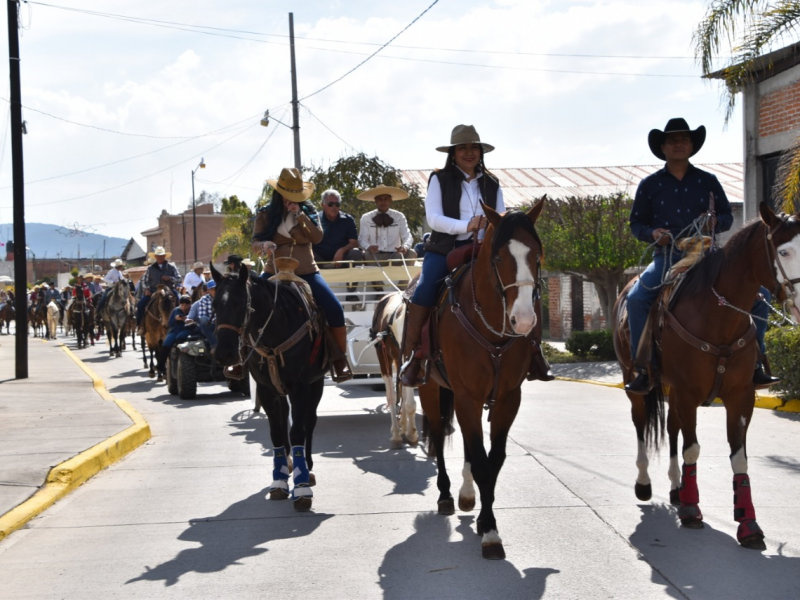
{"x": 159, "y": 251}
{"x": 291, "y": 186}
{"x": 465, "y": 134}
{"x": 197, "y": 265}
{"x": 395, "y": 192}
{"x": 249, "y": 262}
{"x": 117, "y": 263}
{"x": 149, "y": 261}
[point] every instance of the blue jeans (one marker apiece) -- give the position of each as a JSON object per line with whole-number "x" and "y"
{"x": 207, "y": 331}
{"x": 173, "y": 337}
{"x": 434, "y": 270}
{"x": 323, "y": 296}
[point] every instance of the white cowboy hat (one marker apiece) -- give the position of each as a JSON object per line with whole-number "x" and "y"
{"x": 118, "y": 263}
{"x": 159, "y": 251}
{"x": 197, "y": 265}
{"x": 291, "y": 186}
{"x": 383, "y": 190}
{"x": 247, "y": 261}
{"x": 465, "y": 134}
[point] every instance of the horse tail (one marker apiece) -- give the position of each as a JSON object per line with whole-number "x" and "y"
{"x": 654, "y": 418}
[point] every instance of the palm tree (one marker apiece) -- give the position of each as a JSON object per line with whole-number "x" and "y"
{"x": 749, "y": 27}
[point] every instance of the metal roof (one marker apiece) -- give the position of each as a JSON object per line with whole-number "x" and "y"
{"x": 523, "y": 186}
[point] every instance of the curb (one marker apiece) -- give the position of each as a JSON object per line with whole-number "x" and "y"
{"x": 765, "y": 401}
{"x": 72, "y": 473}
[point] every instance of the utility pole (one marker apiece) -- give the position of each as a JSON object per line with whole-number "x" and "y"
{"x": 295, "y": 103}
{"x": 20, "y": 258}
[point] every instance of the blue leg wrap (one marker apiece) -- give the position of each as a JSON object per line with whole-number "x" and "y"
{"x": 280, "y": 466}
{"x": 300, "y": 472}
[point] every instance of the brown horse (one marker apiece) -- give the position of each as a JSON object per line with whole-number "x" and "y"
{"x": 156, "y": 326}
{"x": 707, "y": 349}
{"x": 387, "y": 330}
{"x": 7, "y": 315}
{"x": 483, "y": 356}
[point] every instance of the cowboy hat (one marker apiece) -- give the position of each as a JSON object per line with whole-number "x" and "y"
{"x": 465, "y": 134}
{"x": 233, "y": 259}
{"x": 395, "y": 192}
{"x": 159, "y": 251}
{"x": 197, "y": 265}
{"x": 656, "y": 138}
{"x": 291, "y": 186}
{"x": 117, "y": 263}
{"x": 248, "y": 262}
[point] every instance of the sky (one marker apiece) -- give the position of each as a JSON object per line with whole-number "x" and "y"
{"x": 121, "y": 109}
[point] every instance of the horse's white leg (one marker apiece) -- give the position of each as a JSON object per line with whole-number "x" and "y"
{"x": 395, "y": 438}
{"x": 408, "y": 414}
{"x": 466, "y": 495}
{"x": 642, "y": 462}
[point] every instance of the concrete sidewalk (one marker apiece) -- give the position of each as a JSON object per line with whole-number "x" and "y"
{"x": 60, "y": 412}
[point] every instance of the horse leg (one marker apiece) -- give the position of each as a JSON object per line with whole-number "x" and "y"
{"x": 674, "y": 472}
{"x": 144, "y": 353}
{"x": 643, "y": 487}
{"x": 315, "y": 395}
{"x": 689, "y": 510}
{"x": 408, "y": 415}
{"x": 466, "y": 495}
{"x": 277, "y": 410}
{"x": 386, "y": 365}
{"x": 302, "y": 495}
{"x": 739, "y": 412}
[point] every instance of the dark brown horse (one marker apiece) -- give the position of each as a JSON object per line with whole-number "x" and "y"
{"x": 485, "y": 354}
{"x": 82, "y": 319}
{"x": 707, "y": 349}
{"x": 7, "y": 315}
{"x": 156, "y": 326}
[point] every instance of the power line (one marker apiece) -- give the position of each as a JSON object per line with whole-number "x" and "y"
{"x": 371, "y": 55}
{"x": 308, "y": 110}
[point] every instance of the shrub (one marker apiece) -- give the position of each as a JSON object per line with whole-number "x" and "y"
{"x": 783, "y": 349}
{"x": 598, "y": 345}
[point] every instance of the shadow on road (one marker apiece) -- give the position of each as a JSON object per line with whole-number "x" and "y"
{"x": 708, "y": 563}
{"x": 442, "y": 567}
{"x": 238, "y": 532}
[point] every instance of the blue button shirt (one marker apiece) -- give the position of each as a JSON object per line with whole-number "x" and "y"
{"x": 336, "y": 234}
{"x": 663, "y": 201}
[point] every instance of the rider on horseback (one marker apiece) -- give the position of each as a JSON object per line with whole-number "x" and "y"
{"x": 112, "y": 277}
{"x": 453, "y": 210}
{"x": 666, "y": 203}
{"x": 160, "y": 272}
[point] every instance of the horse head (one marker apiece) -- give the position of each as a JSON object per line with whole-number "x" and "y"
{"x": 516, "y": 253}
{"x": 783, "y": 249}
{"x": 231, "y": 308}
{"x": 165, "y": 304}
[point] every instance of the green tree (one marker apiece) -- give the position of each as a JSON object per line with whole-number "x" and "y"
{"x": 748, "y": 28}
{"x": 237, "y": 228}
{"x": 207, "y": 198}
{"x": 590, "y": 238}
{"x": 352, "y": 175}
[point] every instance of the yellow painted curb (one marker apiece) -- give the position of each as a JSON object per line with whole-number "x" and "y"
{"x": 762, "y": 401}
{"x": 70, "y": 474}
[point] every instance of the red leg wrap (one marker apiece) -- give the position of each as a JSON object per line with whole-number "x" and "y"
{"x": 743, "y": 509}
{"x": 689, "y": 494}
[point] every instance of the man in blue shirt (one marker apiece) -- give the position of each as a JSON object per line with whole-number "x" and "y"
{"x": 340, "y": 239}
{"x": 666, "y": 204}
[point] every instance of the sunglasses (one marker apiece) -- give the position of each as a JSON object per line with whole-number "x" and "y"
{"x": 336, "y": 204}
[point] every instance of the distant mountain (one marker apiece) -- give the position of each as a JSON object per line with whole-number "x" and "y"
{"x": 50, "y": 241}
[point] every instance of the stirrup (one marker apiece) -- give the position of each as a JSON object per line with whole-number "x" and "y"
{"x": 423, "y": 365}
{"x": 346, "y": 374}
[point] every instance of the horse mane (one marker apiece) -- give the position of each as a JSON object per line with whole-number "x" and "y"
{"x": 508, "y": 224}
{"x": 708, "y": 268}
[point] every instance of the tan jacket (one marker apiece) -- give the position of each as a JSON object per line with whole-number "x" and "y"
{"x": 304, "y": 234}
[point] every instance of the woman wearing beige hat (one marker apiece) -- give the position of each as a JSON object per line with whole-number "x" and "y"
{"x": 287, "y": 227}
{"x": 454, "y": 212}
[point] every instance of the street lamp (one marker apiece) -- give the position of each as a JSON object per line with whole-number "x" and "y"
{"x": 202, "y": 165}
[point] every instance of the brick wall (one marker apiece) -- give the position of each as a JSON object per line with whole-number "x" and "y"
{"x": 779, "y": 111}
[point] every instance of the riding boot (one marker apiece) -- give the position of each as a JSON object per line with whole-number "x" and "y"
{"x": 539, "y": 367}
{"x": 413, "y": 372}
{"x": 762, "y": 379}
{"x": 341, "y": 367}
{"x": 641, "y": 385}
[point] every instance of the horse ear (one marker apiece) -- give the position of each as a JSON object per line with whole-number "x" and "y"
{"x": 244, "y": 273}
{"x": 767, "y": 215}
{"x": 215, "y": 275}
{"x": 536, "y": 209}
{"x": 491, "y": 214}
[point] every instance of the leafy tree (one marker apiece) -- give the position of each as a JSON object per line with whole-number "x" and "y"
{"x": 590, "y": 238}
{"x": 207, "y": 198}
{"x": 749, "y": 28}
{"x": 352, "y": 175}
{"x": 237, "y": 228}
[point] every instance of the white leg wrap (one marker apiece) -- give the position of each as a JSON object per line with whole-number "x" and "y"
{"x": 468, "y": 487}
{"x": 491, "y": 537}
{"x": 674, "y": 473}
{"x": 279, "y": 484}
{"x": 642, "y": 463}
{"x": 739, "y": 462}
{"x": 691, "y": 454}
{"x": 302, "y": 492}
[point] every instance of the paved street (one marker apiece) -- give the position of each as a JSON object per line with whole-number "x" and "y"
{"x": 185, "y": 516}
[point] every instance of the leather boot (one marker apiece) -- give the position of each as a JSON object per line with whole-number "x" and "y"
{"x": 539, "y": 367}
{"x": 641, "y": 385}
{"x": 341, "y": 367}
{"x": 412, "y": 373}
{"x": 762, "y": 379}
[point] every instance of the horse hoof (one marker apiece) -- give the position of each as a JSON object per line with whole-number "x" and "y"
{"x": 151, "y": 374}
{"x": 466, "y": 504}
{"x": 312, "y": 480}
{"x": 750, "y": 535}
{"x": 493, "y": 551}
{"x": 160, "y": 378}
{"x": 692, "y": 523}
{"x": 278, "y": 494}
{"x": 754, "y": 542}
{"x": 396, "y": 444}
{"x": 675, "y": 497}
{"x": 643, "y": 491}
{"x": 446, "y": 507}
{"x": 303, "y": 504}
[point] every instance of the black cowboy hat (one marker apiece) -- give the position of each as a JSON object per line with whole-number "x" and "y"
{"x": 656, "y": 138}
{"x": 233, "y": 259}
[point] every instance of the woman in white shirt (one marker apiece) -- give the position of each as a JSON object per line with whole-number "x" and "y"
{"x": 454, "y": 212}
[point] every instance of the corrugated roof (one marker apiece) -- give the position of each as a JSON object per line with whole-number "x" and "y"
{"x": 522, "y": 186}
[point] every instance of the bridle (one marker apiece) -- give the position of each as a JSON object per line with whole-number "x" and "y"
{"x": 787, "y": 285}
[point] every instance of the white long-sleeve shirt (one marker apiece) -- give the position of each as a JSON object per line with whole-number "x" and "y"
{"x": 387, "y": 239}
{"x": 470, "y": 206}
{"x": 113, "y": 276}
{"x": 192, "y": 280}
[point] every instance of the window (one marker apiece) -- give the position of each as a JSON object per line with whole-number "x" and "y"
{"x": 769, "y": 168}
